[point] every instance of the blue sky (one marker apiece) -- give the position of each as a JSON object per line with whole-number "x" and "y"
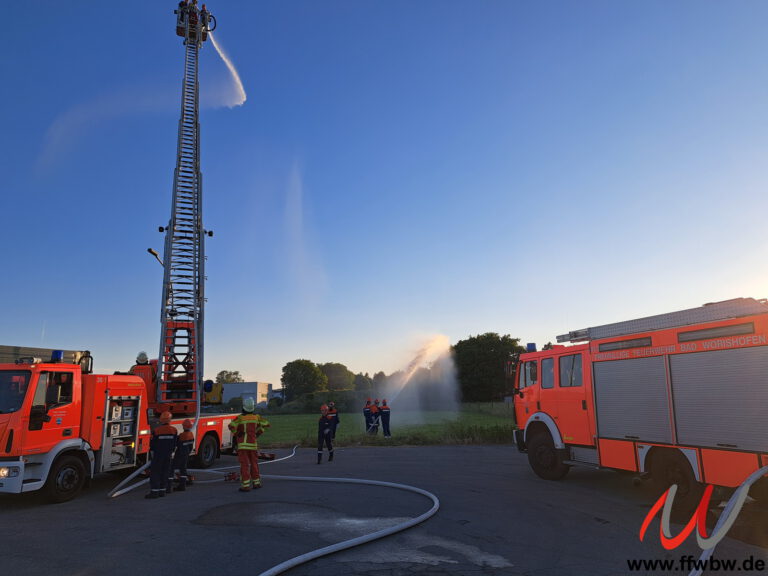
{"x": 399, "y": 169}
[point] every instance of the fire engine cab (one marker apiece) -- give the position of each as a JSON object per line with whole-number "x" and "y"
{"x": 60, "y": 424}
{"x": 679, "y": 398}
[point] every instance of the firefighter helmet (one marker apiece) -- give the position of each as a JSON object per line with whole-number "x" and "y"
{"x": 323, "y": 408}
{"x": 165, "y": 417}
{"x": 187, "y": 424}
{"x": 248, "y": 405}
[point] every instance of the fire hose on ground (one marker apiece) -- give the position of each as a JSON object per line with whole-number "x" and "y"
{"x": 339, "y": 546}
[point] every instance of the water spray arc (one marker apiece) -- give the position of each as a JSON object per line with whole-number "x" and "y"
{"x": 241, "y": 96}
{"x": 433, "y": 349}
{"x": 411, "y": 392}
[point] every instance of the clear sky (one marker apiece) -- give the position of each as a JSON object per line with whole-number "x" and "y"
{"x": 399, "y": 169}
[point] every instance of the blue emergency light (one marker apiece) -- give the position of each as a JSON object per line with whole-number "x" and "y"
{"x": 530, "y": 347}
{"x": 57, "y": 356}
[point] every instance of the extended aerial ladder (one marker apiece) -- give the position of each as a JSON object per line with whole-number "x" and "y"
{"x": 180, "y": 360}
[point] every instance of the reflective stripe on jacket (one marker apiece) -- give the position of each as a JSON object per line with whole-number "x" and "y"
{"x": 163, "y": 440}
{"x": 247, "y": 428}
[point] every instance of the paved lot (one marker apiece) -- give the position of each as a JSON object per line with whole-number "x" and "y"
{"x": 495, "y": 517}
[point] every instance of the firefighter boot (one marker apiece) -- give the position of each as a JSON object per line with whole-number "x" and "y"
{"x": 319, "y": 457}
{"x": 330, "y": 456}
{"x": 182, "y": 484}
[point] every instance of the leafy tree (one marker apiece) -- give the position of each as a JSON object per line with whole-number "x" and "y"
{"x": 339, "y": 377}
{"x": 300, "y": 377}
{"x": 379, "y": 381}
{"x": 362, "y": 382}
{"x": 228, "y": 376}
{"x": 481, "y": 363}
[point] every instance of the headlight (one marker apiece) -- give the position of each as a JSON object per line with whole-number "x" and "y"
{"x": 9, "y": 472}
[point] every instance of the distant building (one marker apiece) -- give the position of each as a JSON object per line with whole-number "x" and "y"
{"x": 275, "y": 393}
{"x": 261, "y": 392}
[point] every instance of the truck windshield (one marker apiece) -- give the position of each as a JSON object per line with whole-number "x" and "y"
{"x": 13, "y": 388}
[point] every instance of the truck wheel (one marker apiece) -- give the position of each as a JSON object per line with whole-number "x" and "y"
{"x": 209, "y": 449}
{"x": 671, "y": 467}
{"x": 66, "y": 479}
{"x": 545, "y": 459}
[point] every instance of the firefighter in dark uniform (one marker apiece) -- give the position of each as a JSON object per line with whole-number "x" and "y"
{"x": 161, "y": 446}
{"x": 185, "y": 443}
{"x": 324, "y": 434}
{"x": 367, "y": 414}
{"x": 333, "y": 414}
{"x": 373, "y": 429}
{"x": 384, "y": 411}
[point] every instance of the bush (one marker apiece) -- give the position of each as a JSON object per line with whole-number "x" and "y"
{"x": 346, "y": 401}
{"x": 274, "y": 403}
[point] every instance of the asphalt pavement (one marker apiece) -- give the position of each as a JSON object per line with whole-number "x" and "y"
{"x": 495, "y": 517}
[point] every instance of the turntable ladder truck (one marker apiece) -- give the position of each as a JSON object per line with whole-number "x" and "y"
{"x": 60, "y": 424}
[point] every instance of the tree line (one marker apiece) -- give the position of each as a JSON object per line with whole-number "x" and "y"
{"x": 483, "y": 369}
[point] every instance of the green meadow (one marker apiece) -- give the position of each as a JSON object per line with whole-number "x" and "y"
{"x": 481, "y": 423}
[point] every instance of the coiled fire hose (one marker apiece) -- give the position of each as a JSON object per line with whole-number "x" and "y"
{"x": 293, "y": 562}
{"x": 339, "y": 546}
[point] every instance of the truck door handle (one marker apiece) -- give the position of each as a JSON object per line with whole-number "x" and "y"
{"x": 583, "y": 404}
{"x": 67, "y": 432}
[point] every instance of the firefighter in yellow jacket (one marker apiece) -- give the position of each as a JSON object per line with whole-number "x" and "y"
{"x": 246, "y": 428}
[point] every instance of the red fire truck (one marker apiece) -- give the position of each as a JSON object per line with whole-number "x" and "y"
{"x": 60, "y": 424}
{"x": 680, "y": 398}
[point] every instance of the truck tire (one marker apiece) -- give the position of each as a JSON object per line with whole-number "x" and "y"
{"x": 545, "y": 460}
{"x": 672, "y": 467}
{"x": 66, "y": 479}
{"x": 208, "y": 452}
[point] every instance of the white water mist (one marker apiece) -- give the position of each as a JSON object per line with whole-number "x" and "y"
{"x": 240, "y": 96}
{"x": 428, "y": 383}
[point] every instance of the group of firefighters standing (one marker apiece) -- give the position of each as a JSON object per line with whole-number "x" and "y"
{"x": 170, "y": 450}
{"x": 189, "y": 8}
{"x": 376, "y": 415}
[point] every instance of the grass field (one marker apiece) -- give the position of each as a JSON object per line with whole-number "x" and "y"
{"x": 474, "y": 424}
